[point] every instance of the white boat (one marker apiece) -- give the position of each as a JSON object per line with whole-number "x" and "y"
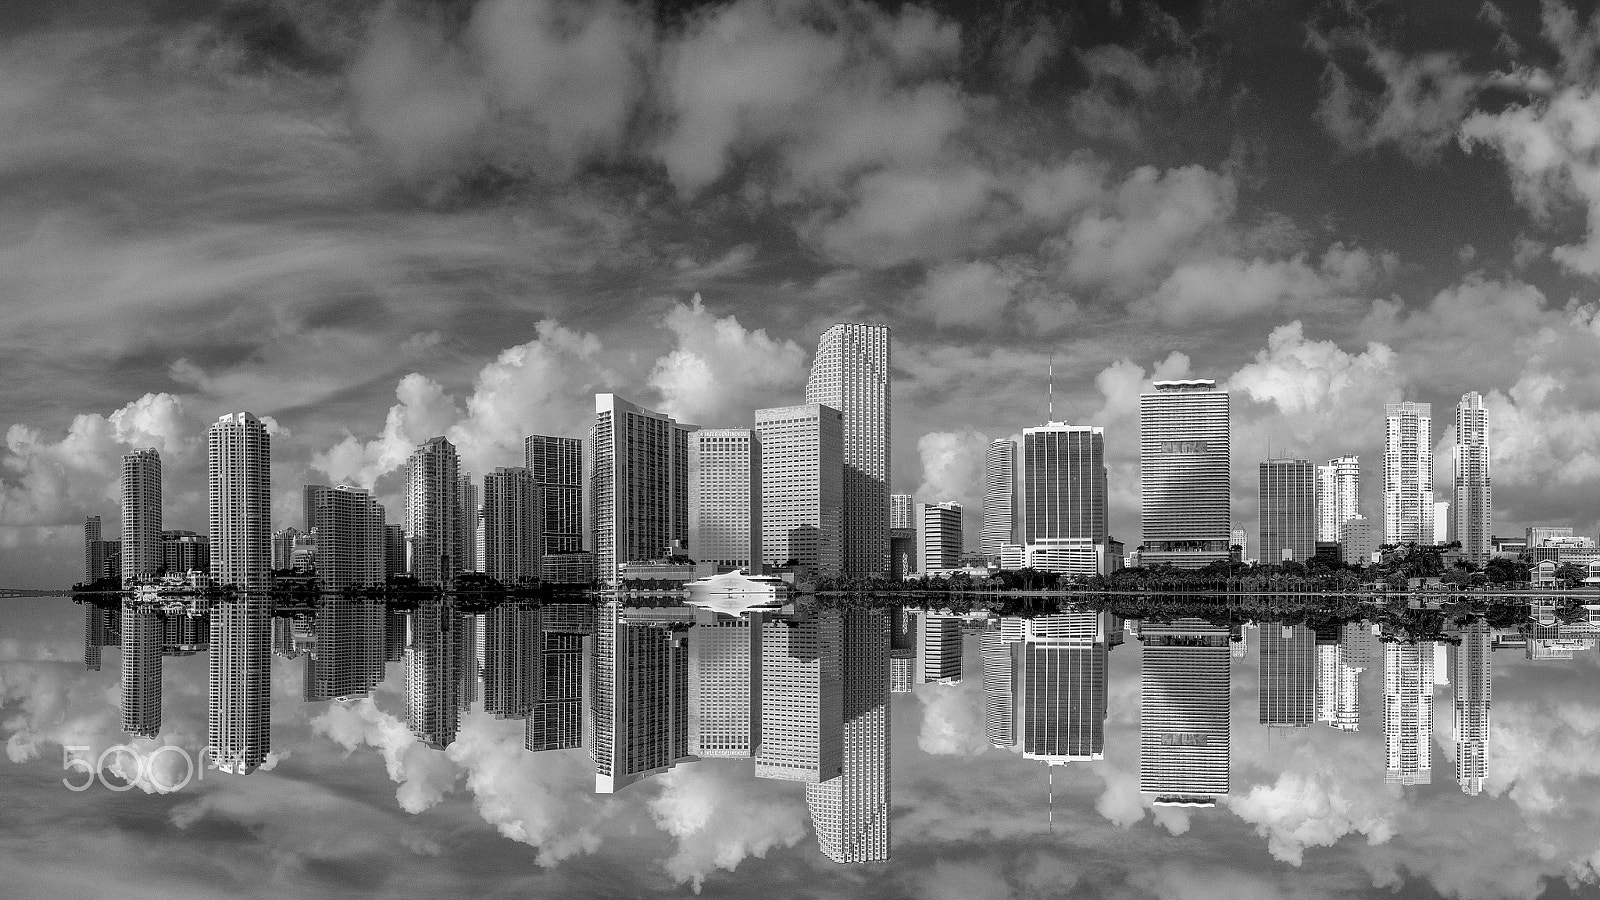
{"x": 734, "y": 592}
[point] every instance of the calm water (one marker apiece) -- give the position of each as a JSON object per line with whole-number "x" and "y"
{"x": 387, "y": 753}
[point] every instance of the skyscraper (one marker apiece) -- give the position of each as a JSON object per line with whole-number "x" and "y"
{"x": 802, "y": 486}
{"x": 939, "y": 535}
{"x": 513, "y": 645}
{"x": 239, "y": 468}
{"x": 239, "y": 724}
{"x": 802, "y": 697}
{"x": 640, "y": 487}
{"x": 1288, "y": 511}
{"x": 1472, "y": 500}
{"x": 347, "y": 658}
{"x": 1408, "y": 473}
{"x": 512, "y": 546}
{"x": 394, "y": 550}
{"x": 850, "y": 813}
{"x": 1184, "y": 737}
{"x": 902, "y": 511}
{"x": 1473, "y": 692}
{"x": 1288, "y": 694}
{"x": 640, "y": 697}
{"x": 141, "y": 668}
{"x": 557, "y": 467}
{"x": 1062, "y": 499}
{"x": 1408, "y": 712}
{"x": 348, "y": 523}
{"x": 434, "y": 657}
{"x": 1339, "y": 667}
{"x": 557, "y": 720}
{"x": 433, "y": 504}
{"x": 725, "y": 683}
{"x": 1184, "y": 459}
{"x": 851, "y": 374}
{"x": 999, "y": 498}
{"x": 141, "y": 515}
{"x": 725, "y": 500}
{"x": 94, "y": 551}
{"x": 467, "y": 522}
{"x": 1338, "y": 495}
{"x": 1060, "y": 690}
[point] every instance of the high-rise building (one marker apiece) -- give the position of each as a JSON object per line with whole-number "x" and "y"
{"x": 1408, "y": 712}
{"x": 1358, "y": 538}
{"x": 1473, "y": 499}
{"x": 1184, "y": 487}
{"x": 557, "y": 720}
{"x": 939, "y": 535}
{"x": 938, "y": 648}
{"x": 725, "y": 684}
{"x": 802, "y": 486}
{"x": 639, "y": 703}
{"x": 725, "y": 500}
{"x": 141, "y": 515}
{"x": 185, "y": 551}
{"x": 239, "y": 724}
{"x": 1239, "y": 540}
{"x": 394, "y": 550}
{"x": 850, "y": 812}
{"x": 557, "y": 467}
{"x": 1059, "y": 689}
{"x": 141, "y": 668}
{"x": 1062, "y": 499}
{"x": 347, "y": 658}
{"x": 512, "y": 546}
{"x": 1184, "y": 738}
{"x": 802, "y": 698}
{"x": 468, "y": 518}
{"x": 902, "y": 511}
{"x": 94, "y": 550}
{"x": 1338, "y": 495}
{"x": 1473, "y": 693}
{"x": 348, "y": 523}
{"x": 1288, "y": 694}
{"x": 1408, "y": 511}
{"x": 851, "y": 374}
{"x": 640, "y": 487}
{"x": 239, "y": 467}
{"x": 283, "y": 544}
{"x": 433, "y": 536}
{"x": 999, "y": 498}
{"x": 1288, "y": 511}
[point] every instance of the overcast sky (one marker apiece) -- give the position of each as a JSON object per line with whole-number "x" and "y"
{"x": 376, "y": 223}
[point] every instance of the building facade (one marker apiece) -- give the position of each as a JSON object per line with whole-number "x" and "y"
{"x": 999, "y": 498}
{"x": 1184, "y": 474}
{"x": 1184, "y": 734}
{"x": 1288, "y": 690}
{"x": 1408, "y": 681}
{"x": 348, "y": 524}
{"x": 1338, "y": 495}
{"x": 939, "y": 535}
{"x": 433, "y": 508}
{"x": 802, "y": 487}
{"x": 239, "y": 481}
{"x": 185, "y": 551}
{"x": 239, "y": 720}
{"x": 557, "y": 467}
{"x": 1062, "y": 499}
{"x": 1472, "y": 498}
{"x": 141, "y": 515}
{"x": 1408, "y": 504}
{"x": 725, "y": 500}
{"x": 639, "y": 491}
{"x": 802, "y": 698}
{"x": 851, "y": 374}
{"x": 512, "y": 544}
{"x": 1288, "y": 511}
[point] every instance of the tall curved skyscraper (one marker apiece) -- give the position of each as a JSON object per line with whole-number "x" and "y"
{"x": 999, "y": 497}
{"x": 851, "y": 374}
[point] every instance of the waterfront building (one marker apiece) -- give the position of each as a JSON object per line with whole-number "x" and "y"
{"x": 1288, "y": 511}
{"x": 468, "y": 521}
{"x": 348, "y": 524}
{"x": 1408, "y": 682}
{"x": 850, "y": 812}
{"x": 1338, "y": 495}
{"x": 639, "y": 492}
{"x": 512, "y": 545}
{"x": 1184, "y": 486}
{"x": 141, "y": 642}
{"x": 557, "y": 467}
{"x": 1473, "y": 498}
{"x": 1062, "y": 497}
{"x": 239, "y": 476}
{"x": 185, "y": 551}
{"x": 1408, "y": 504}
{"x": 939, "y": 535}
{"x": 394, "y": 550}
{"x": 802, "y": 487}
{"x": 850, "y": 374}
{"x": 802, "y": 698}
{"x": 141, "y": 516}
{"x": 94, "y": 550}
{"x": 999, "y": 498}
{"x": 1473, "y": 692}
{"x": 640, "y": 696}
{"x": 725, "y": 500}
{"x": 433, "y": 533}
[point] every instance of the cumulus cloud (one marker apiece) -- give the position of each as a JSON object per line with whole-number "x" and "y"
{"x": 424, "y": 775}
{"x": 1424, "y": 99}
{"x": 424, "y": 410}
{"x": 720, "y": 372}
{"x": 1302, "y": 810}
{"x": 952, "y": 468}
{"x": 720, "y": 817}
{"x": 974, "y": 293}
{"x": 952, "y": 718}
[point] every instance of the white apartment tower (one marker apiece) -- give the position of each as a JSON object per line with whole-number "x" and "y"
{"x": 1408, "y": 712}
{"x": 1472, "y": 501}
{"x": 939, "y": 535}
{"x": 239, "y": 720}
{"x": 725, "y": 500}
{"x": 802, "y": 486}
{"x": 141, "y": 515}
{"x": 348, "y": 523}
{"x": 851, "y": 374}
{"x": 1062, "y": 499}
{"x": 468, "y": 520}
{"x": 511, "y": 541}
{"x": 239, "y": 482}
{"x": 433, "y": 508}
{"x": 902, "y": 511}
{"x": 1184, "y": 460}
{"x": 1338, "y": 495}
{"x": 999, "y": 498}
{"x": 1408, "y": 509}
{"x": 639, "y": 491}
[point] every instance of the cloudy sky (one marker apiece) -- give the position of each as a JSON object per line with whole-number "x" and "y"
{"x": 353, "y": 806}
{"x": 373, "y": 223}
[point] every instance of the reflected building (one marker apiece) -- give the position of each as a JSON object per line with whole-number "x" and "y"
{"x": 851, "y": 374}
{"x": 1339, "y": 668}
{"x": 557, "y": 720}
{"x": 1184, "y": 487}
{"x": 1184, "y": 736}
{"x": 239, "y": 479}
{"x": 1408, "y": 712}
{"x": 97, "y": 633}
{"x": 802, "y": 487}
{"x": 802, "y": 697}
{"x": 239, "y": 724}
{"x": 513, "y": 644}
{"x": 1288, "y": 671}
{"x": 1473, "y": 691}
{"x": 725, "y": 682}
{"x": 142, "y": 639}
{"x": 639, "y": 703}
{"x": 434, "y": 657}
{"x": 938, "y": 647}
{"x": 999, "y": 673}
{"x": 347, "y": 659}
{"x": 1060, "y": 664}
{"x": 850, "y": 813}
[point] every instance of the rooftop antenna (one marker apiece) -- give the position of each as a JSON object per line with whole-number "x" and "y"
{"x": 1050, "y": 797}
{"x": 1050, "y": 389}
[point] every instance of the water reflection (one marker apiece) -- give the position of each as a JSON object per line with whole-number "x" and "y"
{"x": 802, "y": 689}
